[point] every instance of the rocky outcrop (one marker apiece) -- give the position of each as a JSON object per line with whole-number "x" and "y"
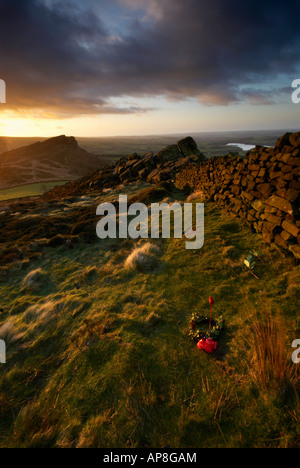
{"x": 188, "y": 147}
{"x": 263, "y": 188}
{"x": 153, "y": 168}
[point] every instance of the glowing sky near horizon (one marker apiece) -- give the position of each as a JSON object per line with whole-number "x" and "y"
{"x": 137, "y": 67}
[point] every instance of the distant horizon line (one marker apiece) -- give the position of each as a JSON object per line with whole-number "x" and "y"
{"x": 158, "y": 134}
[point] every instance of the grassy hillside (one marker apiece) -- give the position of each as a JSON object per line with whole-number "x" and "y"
{"x": 29, "y": 190}
{"x": 98, "y": 350}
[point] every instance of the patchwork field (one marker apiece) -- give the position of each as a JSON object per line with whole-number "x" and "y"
{"x": 29, "y": 190}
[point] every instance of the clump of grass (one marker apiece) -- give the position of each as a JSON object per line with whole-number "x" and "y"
{"x": 99, "y": 431}
{"x": 271, "y": 365}
{"x": 35, "y": 425}
{"x": 43, "y": 312}
{"x": 195, "y": 196}
{"x": 3, "y": 274}
{"x": 34, "y": 279}
{"x": 143, "y": 258}
{"x": 231, "y": 252}
{"x": 92, "y": 331}
{"x": 89, "y": 275}
{"x": 9, "y": 333}
{"x": 152, "y": 320}
{"x": 152, "y": 194}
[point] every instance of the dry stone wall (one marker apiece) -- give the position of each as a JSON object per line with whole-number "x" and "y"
{"x": 263, "y": 188}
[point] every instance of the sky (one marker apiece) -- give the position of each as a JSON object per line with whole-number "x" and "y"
{"x": 139, "y": 67}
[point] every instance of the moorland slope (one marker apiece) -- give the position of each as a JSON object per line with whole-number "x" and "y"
{"x": 97, "y": 331}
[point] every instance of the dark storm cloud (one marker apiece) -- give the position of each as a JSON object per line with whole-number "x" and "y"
{"x": 70, "y": 57}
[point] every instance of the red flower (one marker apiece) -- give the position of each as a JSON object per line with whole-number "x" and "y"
{"x": 201, "y": 344}
{"x": 211, "y": 301}
{"x": 209, "y": 345}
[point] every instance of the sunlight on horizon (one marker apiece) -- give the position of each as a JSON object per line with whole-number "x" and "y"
{"x": 178, "y": 118}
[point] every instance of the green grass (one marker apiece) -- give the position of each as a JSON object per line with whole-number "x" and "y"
{"x": 110, "y": 364}
{"x": 28, "y": 190}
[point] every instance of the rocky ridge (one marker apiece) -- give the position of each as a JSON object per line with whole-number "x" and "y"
{"x": 263, "y": 187}
{"x": 151, "y": 168}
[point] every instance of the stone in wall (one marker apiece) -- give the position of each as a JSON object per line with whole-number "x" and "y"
{"x": 263, "y": 188}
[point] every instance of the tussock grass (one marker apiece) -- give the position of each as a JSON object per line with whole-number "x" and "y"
{"x": 152, "y": 194}
{"x": 34, "y": 279}
{"x": 152, "y": 320}
{"x": 271, "y": 365}
{"x": 89, "y": 275}
{"x": 9, "y": 333}
{"x": 195, "y": 196}
{"x": 144, "y": 258}
{"x": 95, "y": 432}
{"x": 42, "y": 313}
{"x": 115, "y": 368}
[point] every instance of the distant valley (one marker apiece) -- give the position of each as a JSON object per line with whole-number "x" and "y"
{"x": 35, "y": 160}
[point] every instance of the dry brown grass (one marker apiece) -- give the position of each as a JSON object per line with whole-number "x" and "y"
{"x": 271, "y": 365}
{"x": 42, "y": 313}
{"x": 143, "y": 258}
{"x": 34, "y": 279}
{"x": 195, "y": 196}
{"x": 9, "y": 333}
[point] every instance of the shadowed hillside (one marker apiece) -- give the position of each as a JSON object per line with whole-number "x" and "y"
{"x": 58, "y": 158}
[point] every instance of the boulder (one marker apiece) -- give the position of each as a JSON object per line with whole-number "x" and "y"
{"x": 295, "y": 139}
{"x": 126, "y": 175}
{"x": 188, "y": 147}
{"x": 137, "y": 167}
{"x": 292, "y": 195}
{"x": 291, "y": 228}
{"x": 143, "y": 173}
{"x": 283, "y": 141}
{"x": 133, "y": 156}
{"x": 273, "y": 219}
{"x": 169, "y": 153}
{"x": 249, "y": 197}
{"x": 268, "y": 232}
{"x": 294, "y": 161}
{"x": 281, "y": 242}
{"x": 152, "y": 175}
{"x": 265, "y": 189}
{"x": 280, "y": 204}
{"x": 258, "y": 205}
{"x": 286, "y": 235}
{"x": 295, "y": 249}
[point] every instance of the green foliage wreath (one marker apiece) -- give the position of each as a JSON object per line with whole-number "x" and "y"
{"x": 197, "y": 332}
